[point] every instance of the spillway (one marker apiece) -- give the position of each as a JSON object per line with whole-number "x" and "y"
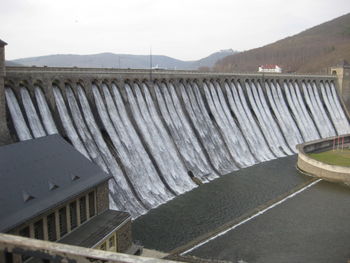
{"x": 182, "y": 134}
{"x": 149, "y": 188}
{"x": 160, "y": 139}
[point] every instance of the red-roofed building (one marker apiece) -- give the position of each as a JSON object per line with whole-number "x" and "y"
{"x": 272, "y": 68}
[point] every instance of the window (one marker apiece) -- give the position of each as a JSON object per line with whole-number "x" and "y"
{"x": 39, "y": 229}
{"x": 9, "y": 257}
{"x": 51, "y": 227}
{"x": 73, "y": 215}
{"x": 24, "y": 232}
{"x": 103, "y": 246}
{"x": 82, "y": 207}
{"x": 92, "y": 205}
{"x": 63, "y": 220}
{"x": 111, "y": 241}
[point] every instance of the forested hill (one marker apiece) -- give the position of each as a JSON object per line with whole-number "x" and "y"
{"x": 110, "y": 60}
{"x": 311, "y": 51}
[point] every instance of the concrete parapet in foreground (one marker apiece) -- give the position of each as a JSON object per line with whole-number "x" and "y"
{"x": 13, "y": 247}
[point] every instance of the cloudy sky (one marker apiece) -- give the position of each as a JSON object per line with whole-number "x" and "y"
{"x": 184, "y": 29}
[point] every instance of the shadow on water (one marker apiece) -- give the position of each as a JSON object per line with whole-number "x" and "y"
{"x": 214, "y": 204}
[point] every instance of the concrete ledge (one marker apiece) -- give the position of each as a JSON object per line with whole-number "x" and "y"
{"x": 75, "y": 70}
{"x": 319, "y": 169}
{"x": 56, "y": 252}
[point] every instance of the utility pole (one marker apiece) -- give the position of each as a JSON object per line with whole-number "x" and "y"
{"x": 150, "y": 64}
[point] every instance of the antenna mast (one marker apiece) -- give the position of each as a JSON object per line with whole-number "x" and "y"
{"x": 150, "y": 64}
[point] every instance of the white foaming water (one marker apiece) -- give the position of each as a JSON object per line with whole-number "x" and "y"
{"x": 322, "y": 109}
{"x": 32, "y": 116}
{"x": 290, "y": 121}
{"x": 20, "y": 124}
{"x": 250, "y": 128}
{"x": 300, "y": 104}
{"x": 307, "y": 129}
{"x": 121, "y": 193}
{"x": 236, "y": 144}
{"x": 67, "y": 122}
{"x": 284, "y": 120}
{"x": 83, "y": 130}
{"x": 171, "y": 171}
{"x": 147, "y": 186}
{"x": 45, "y": 112}
{"x": 262, "y": 119}
{"x": 340, "y": 122}
{"x": 187, "y": 182}
{"x": 324, "y": 127}
{"x": 331, "y": 110}
{"x": 120, "y": 116}
{"x": 192, "y": 137}
{"x": 272, "y": 122}
{"x": 182, "y": 134}
{"x": 334, "y": 97}
{"x": 215, "y": 147}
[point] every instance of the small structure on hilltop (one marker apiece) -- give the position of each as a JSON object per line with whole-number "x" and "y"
{"x": 48, "y": 189}
{"x": 270, "y": 68}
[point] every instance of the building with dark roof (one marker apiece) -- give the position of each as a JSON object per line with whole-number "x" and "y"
{"x": 50, "y": 191}
{"x": 270, "y": 68}
{"x": 2, "y": 43}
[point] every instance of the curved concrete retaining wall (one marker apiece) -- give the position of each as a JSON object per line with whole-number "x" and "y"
{"x": 319, "y": 169}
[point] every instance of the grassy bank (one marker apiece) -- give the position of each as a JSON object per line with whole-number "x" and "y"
{"x": 336, "y": 157}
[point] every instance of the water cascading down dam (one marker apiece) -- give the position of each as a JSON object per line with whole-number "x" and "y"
{"x": 154, "y": 136}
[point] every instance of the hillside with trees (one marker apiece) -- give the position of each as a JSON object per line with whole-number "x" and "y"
{"x": 311, "y": 51}
{"x": 110, "y": 60}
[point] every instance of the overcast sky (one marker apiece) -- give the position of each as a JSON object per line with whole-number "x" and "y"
{"x": 183, "y": 29}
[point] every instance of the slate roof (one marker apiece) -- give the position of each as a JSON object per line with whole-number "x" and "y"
{"x": 37, "y": 175}
{"x": 97, "y": 228}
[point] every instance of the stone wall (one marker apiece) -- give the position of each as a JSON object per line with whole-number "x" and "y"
{"x": 102, "y": 197}
{"x": 343, "y": 77}
{"x": 124, "y": 237}
{"x": 319, "y": 169}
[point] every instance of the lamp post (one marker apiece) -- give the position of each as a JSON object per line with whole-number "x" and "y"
{"x": 150, "y": 64}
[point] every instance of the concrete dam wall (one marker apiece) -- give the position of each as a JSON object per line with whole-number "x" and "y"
{"x": 156, "y": 132}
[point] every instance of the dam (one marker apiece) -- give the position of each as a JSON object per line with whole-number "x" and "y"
{"x": 156, "y": 130}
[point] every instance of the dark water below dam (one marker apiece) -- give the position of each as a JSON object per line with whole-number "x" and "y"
{"x": 211, "y": 205}
{"x": 310, "y": 227}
